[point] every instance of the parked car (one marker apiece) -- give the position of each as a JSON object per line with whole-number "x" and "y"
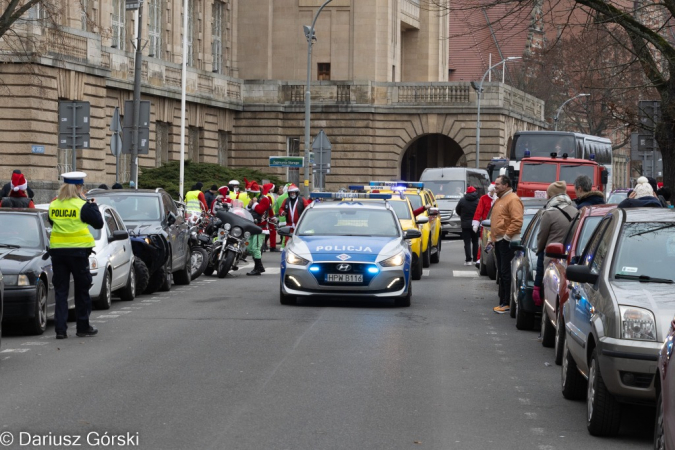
{"x": 555, "y": 282}
{"x": 27, "y": 269}
{"x": 431, "y": 230}
{"x": 2, "y": 296}
{"x": 455, "y": 180}
{"x": 159, "y": 233}
{"x": 450, "y": 222}
{"x": 617, "y": 196}
{"x": 621, "y": 305}
{"x": 664, "y": 425}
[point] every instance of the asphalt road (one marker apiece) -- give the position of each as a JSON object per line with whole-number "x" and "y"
{"x": 220, "y": 364}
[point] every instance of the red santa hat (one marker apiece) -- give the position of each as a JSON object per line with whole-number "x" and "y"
{"x": 223, "y": 190}
{"x": 253, "y": 187}
{"x": 470, "y": 190}
{"x": 19, "y": 182}
{"x": 267, "y": 187}
{"x": 293, "y": 188}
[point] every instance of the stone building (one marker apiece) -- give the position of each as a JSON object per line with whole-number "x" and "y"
{"x": 379, "y": 87}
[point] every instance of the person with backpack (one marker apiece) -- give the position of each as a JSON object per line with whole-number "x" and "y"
{"x": 466, "y": 208}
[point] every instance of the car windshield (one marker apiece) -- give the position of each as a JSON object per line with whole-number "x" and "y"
{"x": 646, "y": 249}
{"x": 449, "y": 187}
{"x": 133, "y": 207}
{"x": 587, "y": 230}
{"x": 538, "y": 173}
{"x": 348, "y": 221}
{"x": 570, "y": 173}
{"x": 447, "y": 204}
{"x": 21, "y": 230}
{"x": 617, "y": 197}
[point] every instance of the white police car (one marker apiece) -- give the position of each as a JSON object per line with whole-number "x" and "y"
{"x": 347, "y": 249}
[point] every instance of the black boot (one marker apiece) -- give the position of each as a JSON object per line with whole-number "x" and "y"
{"x": 256, "y": 268}
{"x": 260, "y": 266}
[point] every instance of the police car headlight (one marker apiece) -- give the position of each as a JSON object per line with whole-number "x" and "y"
{"x": 292, "y": 258}
{"x": 237, "y": 232}
{"x": 396, "y": 260}
{"x": 93, "y": 263}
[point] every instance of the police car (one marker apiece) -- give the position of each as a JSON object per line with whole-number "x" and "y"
{"x": 347, "y": 249}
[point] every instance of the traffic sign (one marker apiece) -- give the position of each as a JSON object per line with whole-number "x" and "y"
{"x": 129, "y": 114}
{"x": 143, "y": 140}
{"x": 115, "y": 126}
{"x": 287, "y": 161}
{"x": 115, "y": 144}
{"x": 74, "y": 114}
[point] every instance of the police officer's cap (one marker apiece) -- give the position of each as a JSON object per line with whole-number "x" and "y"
{"x": 73, "y": 177}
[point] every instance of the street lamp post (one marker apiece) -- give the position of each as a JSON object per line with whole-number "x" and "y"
{"x": 555, "y": 119}
{"x": 309, "y": 34}
{"x": 479, "y": 92}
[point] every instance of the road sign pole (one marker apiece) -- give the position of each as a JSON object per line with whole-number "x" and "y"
{"x": 321, "y": 177}
{"x": 138, "y": 66}
{"x": 74, "y": 128}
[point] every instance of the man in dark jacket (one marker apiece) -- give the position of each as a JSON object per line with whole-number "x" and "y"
{"x": 210, "y": 196}
{"x": 466, "y": 208}
{"x": 585, "y": 196}
{"x": 7, "y": 188}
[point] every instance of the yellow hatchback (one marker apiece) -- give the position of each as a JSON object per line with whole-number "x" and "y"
{"x": 431, "y": 231}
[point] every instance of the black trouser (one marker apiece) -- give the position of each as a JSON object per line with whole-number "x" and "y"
{"x": 504, "y": 254}
{"x": 63, "y": 267}
{"x": 470, "y": 244}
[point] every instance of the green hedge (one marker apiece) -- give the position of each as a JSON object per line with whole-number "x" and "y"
{"x": 167, "y": 176}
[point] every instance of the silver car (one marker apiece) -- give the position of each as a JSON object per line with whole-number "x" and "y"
{"x": 620, "y": 306}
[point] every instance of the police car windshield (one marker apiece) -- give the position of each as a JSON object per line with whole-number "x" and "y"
{"x": 348, "y": 221}
{"x": 20, "y": 230}
{"x": 133, "y": 207}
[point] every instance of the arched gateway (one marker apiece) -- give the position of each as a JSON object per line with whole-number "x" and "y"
{"x": 431, "y": 150}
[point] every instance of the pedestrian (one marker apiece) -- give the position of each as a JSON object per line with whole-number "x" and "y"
{"x": 272, "y": 237}
{"x": 210, "y": 196}
{"x": 655, "y": 187}
{"x": 664, "y": 193}
{"x": 132, "y": 185}
{"x": 555, "y": 222}
{"x": 195, "y": 202}
{"x": 277, "y": 205}
{"x": 585, "y": 195}
{"x": 117, "y": 186}
{"x": 484, "y": 205}
{"x": 466, "y": 208}
{"x": 643, "y": 195}
{"x": 292, "y": 207}
{"x": 7, "y": 187}
{"x": 262, "y": 212}
{"x": 505, "y": 223}
{"x": 17, "y": 197}
{"x": 70, "y": 245}
{"x": 223, "y": 200}
{"x": 238, "y": 198}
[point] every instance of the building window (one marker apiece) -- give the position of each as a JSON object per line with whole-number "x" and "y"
{"x": 193, "y": 144}
{"x": 161, "y": 143}
{"x": 38, "y": 12}
{"x": 217, "y": 36}
{"x": 155, "y": 28}
{"x": 293, "y": 149}
{"x": 324, "y": 71}
{"x": 223, "y": 147}
{"x": 118, "y": 25}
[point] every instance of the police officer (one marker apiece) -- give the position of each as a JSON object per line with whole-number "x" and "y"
{"x": 195, "y": 200}
{"x": 70, "y": 245}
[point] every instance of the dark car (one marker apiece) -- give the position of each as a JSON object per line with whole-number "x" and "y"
{"x": 664, "y": 425}
{"x": 159, "y": 233}
{"x": 27, "y": 269}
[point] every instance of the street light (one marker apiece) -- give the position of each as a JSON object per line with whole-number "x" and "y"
{"x": 311, "y": 37}
{"x": 555, "y": 119}
{"x": 479, "y": 91}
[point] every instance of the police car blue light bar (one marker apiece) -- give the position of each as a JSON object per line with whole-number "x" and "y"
{"x": 343, "y": 195}
{"x": 409, "y": 184}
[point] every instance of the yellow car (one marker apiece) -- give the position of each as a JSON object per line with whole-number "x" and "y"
{"x": 404, "y": 212}
{"x": 431, "y": 231}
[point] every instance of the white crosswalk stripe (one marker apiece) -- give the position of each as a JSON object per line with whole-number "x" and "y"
{"x": 465, "y": 273}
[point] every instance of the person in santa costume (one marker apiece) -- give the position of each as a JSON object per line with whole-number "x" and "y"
{"x": 484, "y": 205}
{"x": 261, "y": 209}
{"x": 222, "y": 200}
{"x": 292, "y": 207}
{"x": 18, "y": 197}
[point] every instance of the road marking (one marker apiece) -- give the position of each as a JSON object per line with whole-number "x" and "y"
{"x": 150, "y": 301}
{"x": 35, "y": 343}
{"x": 122, "y": 312}
{"x": 107, "y": 316}
{"x": 98, "y": 321}
{"x": 15, "y": 350}
{"x": 426, "y": 272}
{"x": 464, "y": 274}
{"x": 133, "y": 307}
{"x": 273, "y": 271}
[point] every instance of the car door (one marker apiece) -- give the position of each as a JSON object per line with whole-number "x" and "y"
{"x": 126, "y": 254}
{"x": 113, "y": 250}
{"x": 434, "y": 219}
{"x": 583, "y": 296}
{"x": 176, "y": 232}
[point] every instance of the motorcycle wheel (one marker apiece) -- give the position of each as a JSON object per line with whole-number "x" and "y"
{"x": 198, "y": 261}
{"x": 225, "y": 265}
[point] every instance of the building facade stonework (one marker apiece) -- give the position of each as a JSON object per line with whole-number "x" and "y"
{"x": 379, "y": 88}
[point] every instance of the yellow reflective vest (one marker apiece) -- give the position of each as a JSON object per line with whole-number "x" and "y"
{"x": 192, "y": 201}
{"x": 243, "y": 197}
{"x": 68, "y": 230}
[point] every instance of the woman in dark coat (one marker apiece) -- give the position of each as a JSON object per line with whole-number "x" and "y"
{"x": 466, "y": 208}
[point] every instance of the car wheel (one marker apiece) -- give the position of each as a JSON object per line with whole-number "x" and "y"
{"x": 38, "y": 324}
{"x": 128, "y": 293}
{"x": 436, "y": 257}
{"x": 287, "y": 299}
{"x": 142, "y": 275}
{"x": 426, "y": 256}
{"x": 659, "y": 437}
{"x": 198, "y": 261}
{"x": 490, "y": 266}
{"x": 168, "y": 275}
{"x": 603, "y": 411}
{"x": 104, "y": 298}
{"x": 547, "y": 330}
{"x": 573, "y": 383}
{"x": 417, "y": 270}
{"x": 184, "y": 275}
{"x": 404, "y": 302}
{"x": 559, "y": 338}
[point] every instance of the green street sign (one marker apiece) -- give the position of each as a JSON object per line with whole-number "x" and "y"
{"x": 286, "y": 161}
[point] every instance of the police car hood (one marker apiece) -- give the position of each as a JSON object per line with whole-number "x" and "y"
{"x": 345, "y": 248}
{"x": 656, "y": 297}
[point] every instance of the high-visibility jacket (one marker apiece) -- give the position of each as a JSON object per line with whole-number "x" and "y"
{"x": 68, "y": 230}
{"x": 192, "y": 201}
{"x": 241, "y": 196}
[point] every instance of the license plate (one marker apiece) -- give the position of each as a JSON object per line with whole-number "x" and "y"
{"x": 539, "y": 194}
{"x": 343, "y": 278}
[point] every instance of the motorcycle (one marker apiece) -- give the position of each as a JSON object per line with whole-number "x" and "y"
{"x": 232, "y": 231}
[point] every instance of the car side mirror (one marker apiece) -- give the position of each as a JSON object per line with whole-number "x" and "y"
{"x": 170, "y": 218}
{"x": 285, "y": 231}
{"x": 119, "y": 235}
{"x": 433, "y": 211}
{"x": 421, "y": 220}
{"x": 486, "y": 223}
{"x": 412, "y": 234}
{"x": 581, "y": 274}
{"x": 556, "y": 251}
{"x": 515, "y": 245}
